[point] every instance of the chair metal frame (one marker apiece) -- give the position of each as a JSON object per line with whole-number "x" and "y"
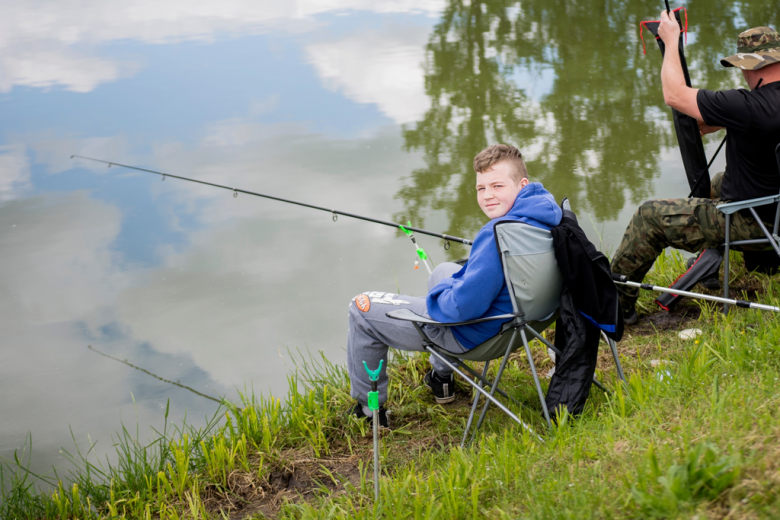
{"x": 771, "y": 238}
{"x": 516, "y": 325}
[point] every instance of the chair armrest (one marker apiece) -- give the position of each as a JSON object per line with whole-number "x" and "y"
{"x": 407, "y": 315}
{"x": 733, "y": 207}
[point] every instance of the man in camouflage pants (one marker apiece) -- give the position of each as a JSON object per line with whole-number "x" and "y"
{"x": 752, "y": 119}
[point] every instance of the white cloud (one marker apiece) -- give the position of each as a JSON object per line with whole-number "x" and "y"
{"x": 39, "y": 39}
{"x": 59, "y": 281}
{"x": 151, "y": 21}
{"x": 384, "y": 67}
{"x": 62, "y": 242}
{"x": 46, "y": 64}
{"x": 14, "y": 171}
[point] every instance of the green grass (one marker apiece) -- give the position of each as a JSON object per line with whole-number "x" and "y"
{"x": 694, "y": 436}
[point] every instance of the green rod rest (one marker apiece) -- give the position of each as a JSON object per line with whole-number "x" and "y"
{"x": 373, "y": 375}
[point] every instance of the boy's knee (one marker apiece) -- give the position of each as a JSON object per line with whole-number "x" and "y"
{"x": 361, "y": 303}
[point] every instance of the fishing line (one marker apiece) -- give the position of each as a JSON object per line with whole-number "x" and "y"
{"x": 335, "y": 213}
{"x": 421, "y": 254}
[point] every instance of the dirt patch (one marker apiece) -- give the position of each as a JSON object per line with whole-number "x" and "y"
{"x": 300, "y": 479}
{"x": 676, "y": 319}
{"x": 463, "y": 396}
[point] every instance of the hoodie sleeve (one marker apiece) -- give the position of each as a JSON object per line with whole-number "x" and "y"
{"x": 469, "y": 293}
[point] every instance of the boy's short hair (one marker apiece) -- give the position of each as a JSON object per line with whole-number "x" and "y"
{"x": 501, "y": 152}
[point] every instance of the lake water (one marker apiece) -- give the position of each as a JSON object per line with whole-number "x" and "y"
{"x": 370, "y": 107}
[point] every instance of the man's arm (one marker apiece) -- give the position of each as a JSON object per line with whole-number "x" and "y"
{"x": 677, "y": 94}
{"x": 705, "y": 129}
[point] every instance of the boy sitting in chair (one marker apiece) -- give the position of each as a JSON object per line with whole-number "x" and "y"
{"x": 455, "y": 293}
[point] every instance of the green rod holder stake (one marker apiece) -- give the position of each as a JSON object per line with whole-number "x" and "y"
{"x": 373, "y": 404}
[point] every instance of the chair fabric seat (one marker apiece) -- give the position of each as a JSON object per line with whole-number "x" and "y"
{"x": 496, "y": 346}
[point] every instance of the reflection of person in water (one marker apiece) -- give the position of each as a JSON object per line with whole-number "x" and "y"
{"x": 751, "y": 118}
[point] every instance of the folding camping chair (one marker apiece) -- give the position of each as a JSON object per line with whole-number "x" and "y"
{"x": 535, "y": 281}
{"x": 771, "y": 238}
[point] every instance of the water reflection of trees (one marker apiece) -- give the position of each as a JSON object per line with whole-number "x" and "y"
{"x": 595, "y": 136}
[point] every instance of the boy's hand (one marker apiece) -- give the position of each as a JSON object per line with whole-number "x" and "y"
{"x": 669, "y": 30}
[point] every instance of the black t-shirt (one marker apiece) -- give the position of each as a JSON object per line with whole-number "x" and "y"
{"x": 752, "y": 120}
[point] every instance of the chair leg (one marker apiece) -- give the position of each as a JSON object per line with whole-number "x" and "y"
{"x": 726, "y": 264}
{"x": 495, "y": 383}
{"x": 546, "y": 343}
{"x": 558, "y": 353}
{"x": 536, "y": 377}
{"x": 767, "y": 234}
{"x": 483, "y": 392}
{"x": 484, "y": 380}
{"x": 618, "y": 366}
{"x": 613, "y": 348}
{"x": 475, "y": 405}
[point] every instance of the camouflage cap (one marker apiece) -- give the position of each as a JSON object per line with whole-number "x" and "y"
{"x": 756, "y": 48}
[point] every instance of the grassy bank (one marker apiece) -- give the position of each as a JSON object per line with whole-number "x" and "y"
{"x": 694, "y": 434}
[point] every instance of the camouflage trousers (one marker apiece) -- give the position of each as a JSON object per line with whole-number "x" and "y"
{"x": 688, "y": 224}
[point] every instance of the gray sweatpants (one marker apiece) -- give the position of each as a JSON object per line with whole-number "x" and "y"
{"x": 371, "y": 333}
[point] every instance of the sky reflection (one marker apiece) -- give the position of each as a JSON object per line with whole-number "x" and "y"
{"x": 188, "y": 282}
{"x": 372, "y": 107}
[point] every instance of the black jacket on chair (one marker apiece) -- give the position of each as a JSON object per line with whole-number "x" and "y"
{"x": 589, "y": 304}
{"x": 586, "y": 272}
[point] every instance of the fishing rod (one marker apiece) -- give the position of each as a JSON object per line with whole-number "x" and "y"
{"x": 335, "y": 213}
{"x": 623, "y": 280}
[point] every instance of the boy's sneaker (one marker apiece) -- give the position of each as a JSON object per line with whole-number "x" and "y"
{"x": 630, "y": 316}
{"x": 357, "y": 411}
{"x": 443, "y": 387}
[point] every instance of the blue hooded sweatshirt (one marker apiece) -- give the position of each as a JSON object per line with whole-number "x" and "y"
{"x": 478, "y": 289}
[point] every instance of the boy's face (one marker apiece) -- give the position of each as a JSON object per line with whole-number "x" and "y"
{"x": 497, "y": 191}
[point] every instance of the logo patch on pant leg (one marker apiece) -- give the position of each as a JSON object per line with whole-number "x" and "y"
{"x": 363, "y": 302}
